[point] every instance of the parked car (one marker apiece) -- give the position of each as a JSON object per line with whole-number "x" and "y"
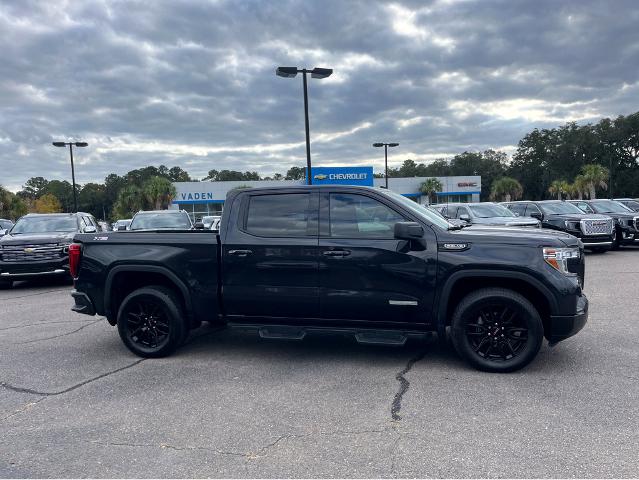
{"x": 161, "y": 220}
{"x": 5, "y": 226}
{"x": 453, "y": 221}
{"x": 626, "y": 220}
{"x": 105, "y": 226}
{"x": 211, "y": 222}
{"x": 121, "y": 225}
{"x": 487, "y": 213}
{"x": 595, "y": 231}
{"x": 38, "y": 245}
{"x": 631, "y": 203}
{"x": 332, "y": 258}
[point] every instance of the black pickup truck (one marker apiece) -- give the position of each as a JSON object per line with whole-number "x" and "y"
{"x": 355, "y": 260}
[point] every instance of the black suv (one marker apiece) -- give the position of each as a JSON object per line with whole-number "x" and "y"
{"x": 594, "y": 230}
{"x": 38, "y": 245}
{"x": 626, "y": 221}
{"x": 631, "y": 203}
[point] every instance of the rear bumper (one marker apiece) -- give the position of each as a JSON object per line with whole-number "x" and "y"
{"x": 565, "y": 326}
{"x": 83, "y": 303}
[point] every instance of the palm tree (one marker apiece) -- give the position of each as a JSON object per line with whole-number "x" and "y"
{"x": 595, "y": 176}
{"x": 130, "y": 200}
{"x": 430, "y": 188}
{"x": 559, "y": 188}
{"x": 159, "y": 192}
{"x": 579, "y": 187}
{"x": 506, "y": 188}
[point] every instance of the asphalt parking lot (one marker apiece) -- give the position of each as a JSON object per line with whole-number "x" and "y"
{"x": 75, "y": 403}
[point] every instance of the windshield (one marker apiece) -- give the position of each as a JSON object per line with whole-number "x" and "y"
{"x": 153, "y": 221}
{"x": 609, "y": 206}
{"x": 560, "y": 208}
{"x": 417, "y": 209}
{"x": 45, "y": 225}
{"x": 488, "y": 210}
{"x": 632, "y": 204}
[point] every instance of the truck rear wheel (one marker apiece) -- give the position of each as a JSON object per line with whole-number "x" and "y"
{"x": 497, "y": 330}
{"x": 151, "y": 322}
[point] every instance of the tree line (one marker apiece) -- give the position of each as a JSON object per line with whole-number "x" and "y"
{"x": 572, "y": 160}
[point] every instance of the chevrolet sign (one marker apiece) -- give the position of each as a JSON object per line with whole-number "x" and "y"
{"x": 342, "y": 176}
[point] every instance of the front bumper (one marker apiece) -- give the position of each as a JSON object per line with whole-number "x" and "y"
{"x": 83, "y": 303}
{"x": 29, "y": 270}
{"x": 564, "y": 326}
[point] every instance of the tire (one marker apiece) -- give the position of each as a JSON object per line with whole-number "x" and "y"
{"x": 501, "y": 347}
{"x": 151, "y": 322}
{"x": 616, "y": 241}
{"x": 6, "y": 284}
{"x": 599, "y": 250}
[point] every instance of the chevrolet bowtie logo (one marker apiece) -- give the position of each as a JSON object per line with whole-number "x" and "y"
{"x": 29, "y": 250}
{"x": 320, "y": 176}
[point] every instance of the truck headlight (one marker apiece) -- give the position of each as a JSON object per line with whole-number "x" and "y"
{"x": 558, "y": 258}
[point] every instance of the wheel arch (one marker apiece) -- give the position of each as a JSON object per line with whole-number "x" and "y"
{"x": 124, "y": 279}
{"x": 459, "y": 284}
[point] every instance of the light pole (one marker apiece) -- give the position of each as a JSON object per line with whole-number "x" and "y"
{"x": 386, "y": 145}
{"x": 71, "y": 144}
{"x": 290, "y": 72}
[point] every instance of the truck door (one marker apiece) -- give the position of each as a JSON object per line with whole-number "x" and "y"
{"x": 365, "y": 273}
{"x": 270, "y": 256}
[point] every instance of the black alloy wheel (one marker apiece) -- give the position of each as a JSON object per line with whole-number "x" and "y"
{"x": 151, "y": 323}
{"x": 497, "y": 330}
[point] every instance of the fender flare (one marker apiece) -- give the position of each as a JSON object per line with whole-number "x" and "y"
{"x": 444, "y": 294}
{"x": 150, "y": 269}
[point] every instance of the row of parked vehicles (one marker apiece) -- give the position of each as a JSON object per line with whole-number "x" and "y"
{"x": 288, "y": 261}
{"x": 600, "y": 224}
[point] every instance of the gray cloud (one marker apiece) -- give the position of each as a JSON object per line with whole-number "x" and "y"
{"x": 193, "y": 84}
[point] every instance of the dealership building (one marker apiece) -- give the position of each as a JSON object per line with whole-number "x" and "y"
{"x": 207, "y": 198}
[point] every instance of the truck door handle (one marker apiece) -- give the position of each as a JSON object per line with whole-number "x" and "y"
{"x": 240, "y": 253}
{"x": 336, "y": 253}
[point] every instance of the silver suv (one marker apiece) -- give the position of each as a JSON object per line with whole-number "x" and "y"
{"x": 486, "y": 213}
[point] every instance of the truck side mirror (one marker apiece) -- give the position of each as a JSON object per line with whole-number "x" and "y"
{"x": 121, "y": 228}
{"x": 537, "y": 215}
{"x": 408, "y": 231}
{"x": 3, "y": 232}
{"x": 89, "y": 229}
{"x": 199, "y": 226}
{"x": 465, "y": 217}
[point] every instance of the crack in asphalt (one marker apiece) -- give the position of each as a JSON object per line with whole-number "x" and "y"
{"x": 61, "y": 335}
{"x": 30, "y": 391}
{"x": 261, "y": 452}
{"x": 43, "y": 323}
{"x": 404, "y": 385}
{"x": 22, "y": 409}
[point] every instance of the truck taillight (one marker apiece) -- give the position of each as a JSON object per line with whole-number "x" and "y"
{"x": 75, "y": 253}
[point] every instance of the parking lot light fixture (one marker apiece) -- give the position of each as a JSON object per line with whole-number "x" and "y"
{"x": 319, "y": 73}
{"x": 386, "y": 145}
{"x": 71, "y": 144}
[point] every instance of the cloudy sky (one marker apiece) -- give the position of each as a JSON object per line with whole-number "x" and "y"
{"x": 192, "y": 83}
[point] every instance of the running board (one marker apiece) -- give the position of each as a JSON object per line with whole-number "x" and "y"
{"x": 281, "y": 332}
{"x": 378, "y": 337}
{"x": 362, "y": 335}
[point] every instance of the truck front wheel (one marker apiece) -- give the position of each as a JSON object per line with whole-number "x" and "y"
{"x": 151, "y": 323}
{"x": 497, "y": 330}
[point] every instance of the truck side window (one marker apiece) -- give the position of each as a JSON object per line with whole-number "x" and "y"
{"x": 278, "y": 215}
{"x": 359, "y": 216}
